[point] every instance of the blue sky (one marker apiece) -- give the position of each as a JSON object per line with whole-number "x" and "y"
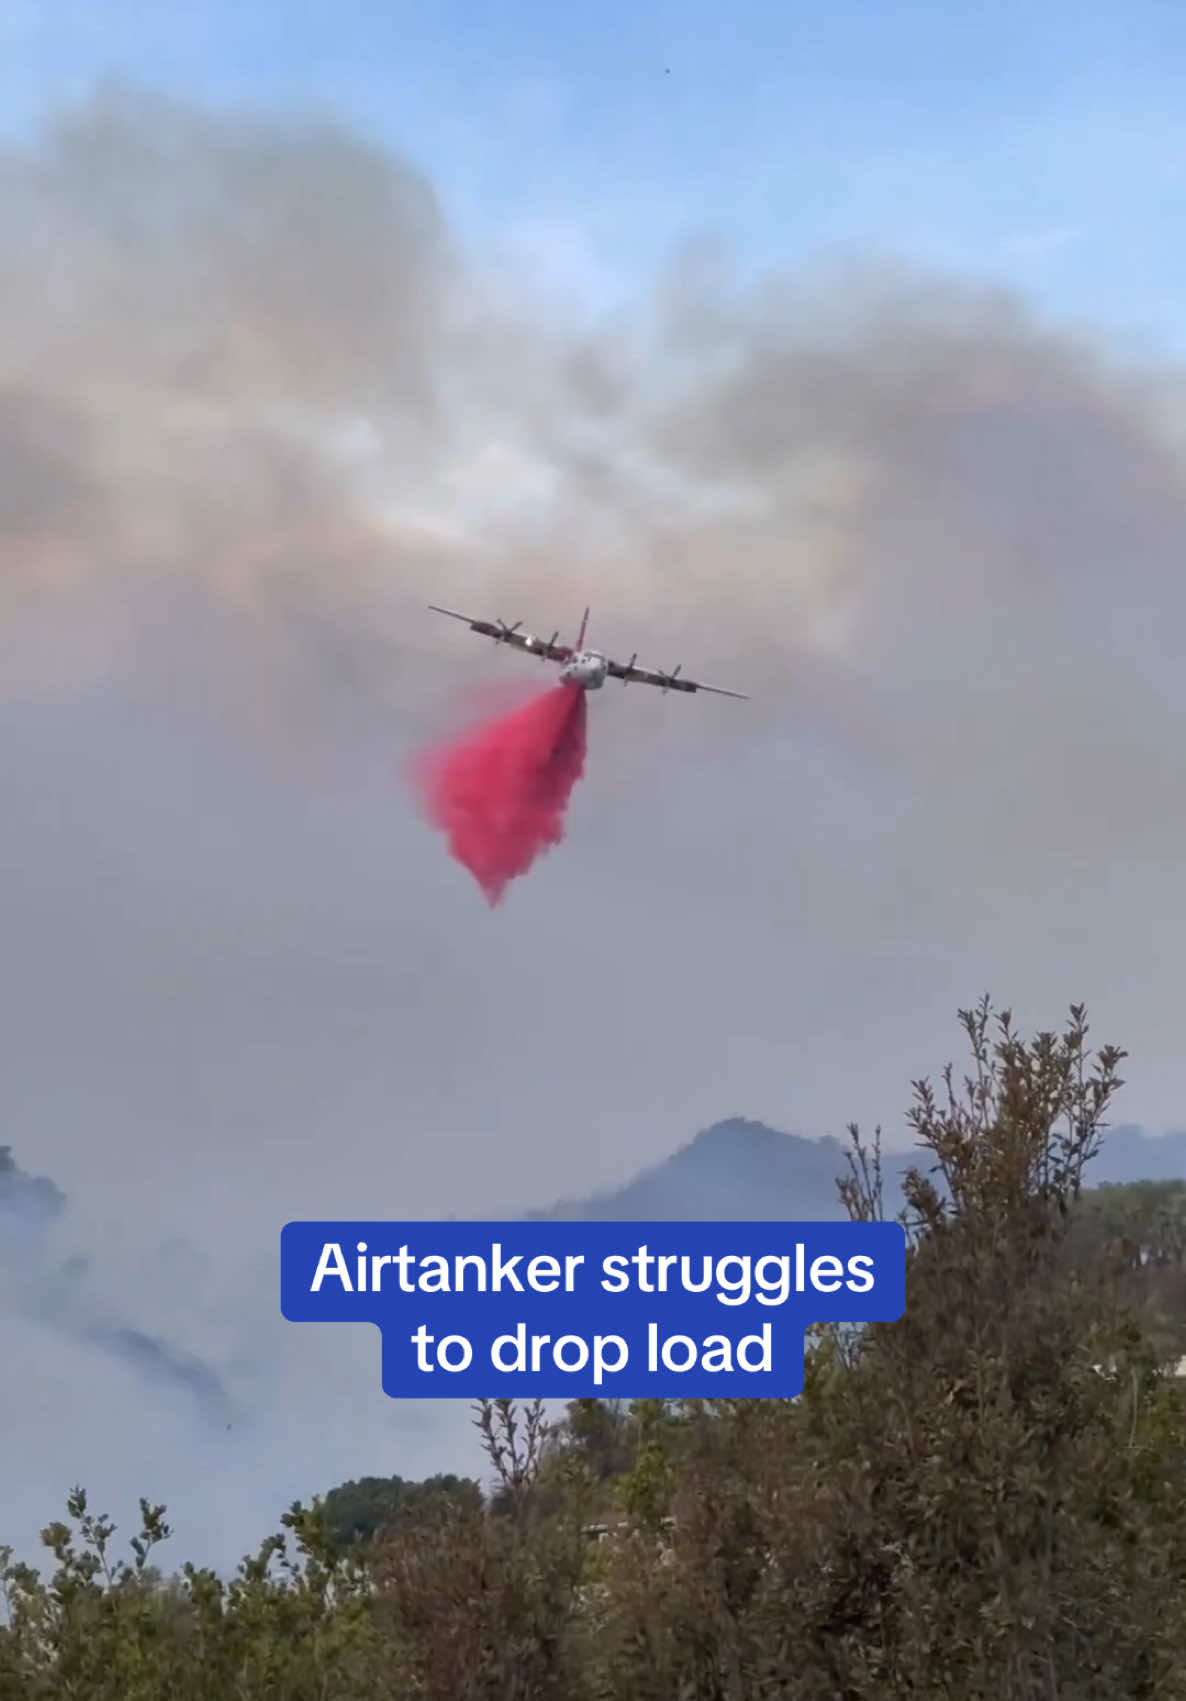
{"x": 1041, "y": 144}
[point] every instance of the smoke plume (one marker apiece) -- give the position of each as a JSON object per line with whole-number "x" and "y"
{"x": 268, "y": 388}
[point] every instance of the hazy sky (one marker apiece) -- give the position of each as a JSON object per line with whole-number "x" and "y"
{"x": 829, "y": 351}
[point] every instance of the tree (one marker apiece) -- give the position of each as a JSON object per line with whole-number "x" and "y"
{"x": 357, "y": 1511}
{"x": 483, "y": 1601}
{"x": 983, "y": 1499}
{"x": 1141, "y": 1228}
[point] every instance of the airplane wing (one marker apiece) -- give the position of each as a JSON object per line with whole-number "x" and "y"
{"x": 629, "y": 674}
{"x": 546, "y": 650}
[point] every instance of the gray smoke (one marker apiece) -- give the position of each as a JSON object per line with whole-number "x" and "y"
{"x": 265, "y": 383}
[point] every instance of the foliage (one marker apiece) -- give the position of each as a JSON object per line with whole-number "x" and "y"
{"x": 357, "y": 1512}
{"x": 1140, "y": 1227}
{"x": 986, "y": 1499}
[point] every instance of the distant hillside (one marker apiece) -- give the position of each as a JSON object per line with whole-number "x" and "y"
{"x": 57, "y": 1293}
{"x": 733, "y": 1171}
{"x": 738, "y": 1170}
{"x": 1131, "y": 1155}
{"x": 28, "y": 1203}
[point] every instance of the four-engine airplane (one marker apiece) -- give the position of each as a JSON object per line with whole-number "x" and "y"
{"x": 580, "y": 666}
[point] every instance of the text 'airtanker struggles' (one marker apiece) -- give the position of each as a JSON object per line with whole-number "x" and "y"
{"x": 734, "y": 1278}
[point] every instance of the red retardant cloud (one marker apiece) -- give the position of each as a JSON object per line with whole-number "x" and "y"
{"x": 500, "y": 793}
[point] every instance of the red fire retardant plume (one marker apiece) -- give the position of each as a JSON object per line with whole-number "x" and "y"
{"x": 500, "y": 793}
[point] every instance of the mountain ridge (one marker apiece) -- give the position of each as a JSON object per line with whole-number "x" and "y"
{"x": 738, "y": 1169}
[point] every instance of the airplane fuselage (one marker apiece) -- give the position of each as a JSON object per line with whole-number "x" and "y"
{"x": 587, "y": 669}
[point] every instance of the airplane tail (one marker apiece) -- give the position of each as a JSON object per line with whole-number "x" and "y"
{"x": 581, "y": 634}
